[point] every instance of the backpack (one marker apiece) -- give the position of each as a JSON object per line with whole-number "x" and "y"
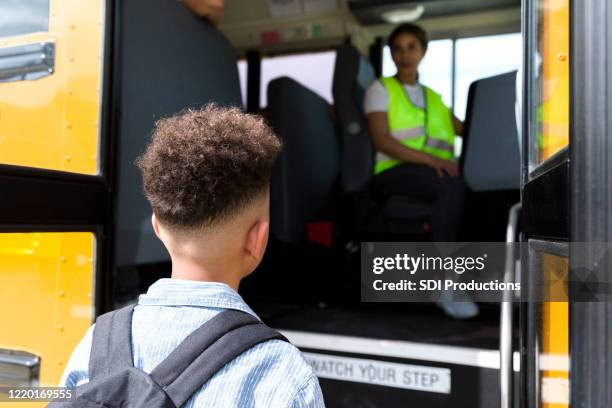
{"x": 115, "y": 382}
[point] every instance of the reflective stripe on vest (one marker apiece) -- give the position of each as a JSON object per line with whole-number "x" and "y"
{"x": 401, "y": 136}
{"x": 439, "y": 144}
{"x": 409, "y": 133}
{"x": 429, "y": 142}
{"x": 407, "y": 124}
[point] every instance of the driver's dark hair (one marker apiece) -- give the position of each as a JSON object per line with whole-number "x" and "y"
{"x": 408, "y": 28}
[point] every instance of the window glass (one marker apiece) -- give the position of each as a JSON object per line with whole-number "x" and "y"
{"x": 313, "y": 70}
{"x": 435, "y": 71}
{"x": 242, "y": 75}
{"x": 481, "y": 57}
{"x": 549, "y": 113}
{"x": 23, "y": 16}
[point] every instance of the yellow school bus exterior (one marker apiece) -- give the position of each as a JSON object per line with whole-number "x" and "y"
{"x": 554, "y": 50}
{"x": 49, "y": 120}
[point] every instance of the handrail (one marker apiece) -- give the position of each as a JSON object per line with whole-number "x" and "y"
{"x": 506, "y": 319}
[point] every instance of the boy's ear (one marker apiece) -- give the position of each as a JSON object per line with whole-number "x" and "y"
{"x": 155, "y": 225}
{"x": 257, "y": 238}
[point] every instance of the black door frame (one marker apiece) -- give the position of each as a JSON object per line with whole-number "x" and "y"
{"x": 591, "y": 194}
{"x": 578, "y": 198}
{"x": 40, "y": 200}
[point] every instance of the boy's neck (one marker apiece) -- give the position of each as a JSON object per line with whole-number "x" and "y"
{"x": 187, "y": 270}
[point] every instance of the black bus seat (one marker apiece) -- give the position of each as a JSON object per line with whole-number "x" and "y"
{"x": 158, "y": 73}
{"x": 304, "y": 179}
{"x": 303, "y": 247}
{"x": 491, "y": 159}
{"x": 406, "y": 207}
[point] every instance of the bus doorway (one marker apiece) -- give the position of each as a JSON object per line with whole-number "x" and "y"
{"x": 308, "y": 286}
{"x": 304, "y": 65}
{"x": 375, "y": 354}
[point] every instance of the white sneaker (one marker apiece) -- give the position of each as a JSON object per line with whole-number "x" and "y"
{"x": 458, "y": 306}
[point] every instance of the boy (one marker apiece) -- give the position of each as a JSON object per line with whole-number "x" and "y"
{"x": 206, "y": 175}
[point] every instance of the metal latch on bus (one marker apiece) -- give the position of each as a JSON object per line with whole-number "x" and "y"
{"x": 19, "y": 369}
{"x": 27, "y": 62}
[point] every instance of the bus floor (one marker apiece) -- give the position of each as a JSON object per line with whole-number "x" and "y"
{"x": 414, "y": 322}
{"x": 387, "y": 341}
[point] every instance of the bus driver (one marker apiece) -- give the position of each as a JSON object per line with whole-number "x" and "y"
{"x": 413, "y": 132}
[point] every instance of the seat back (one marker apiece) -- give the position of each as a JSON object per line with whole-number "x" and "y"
{"x": 352, "y": 75}
{"x": 306, "y": 172}
{"x": 159, "y": 73}
{"x": 491, "y": 159}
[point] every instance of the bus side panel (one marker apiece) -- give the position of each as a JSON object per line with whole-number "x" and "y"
{"x": 46, "y": 300}
{"x": 52, "y": 122}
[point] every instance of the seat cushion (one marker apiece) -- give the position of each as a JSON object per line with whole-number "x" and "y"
{"x": 406, "y": 207}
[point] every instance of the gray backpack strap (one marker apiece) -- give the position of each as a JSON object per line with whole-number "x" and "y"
{"x": 207, "y": 350}
{"x": 111, "y": 348}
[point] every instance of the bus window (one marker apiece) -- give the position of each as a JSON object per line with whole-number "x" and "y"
{"x": 242, "y": 75}
{"x": 481, "y": 57}
{"x": 552, "y": 322}
{"x": 475, "y": 58}
{"x": 313, "y": 70}
{"x": 551, "y": 82}
{"x": 436, "y": 70}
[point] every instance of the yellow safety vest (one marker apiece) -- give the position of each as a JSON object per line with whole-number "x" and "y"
{"x": 430, "y": 130}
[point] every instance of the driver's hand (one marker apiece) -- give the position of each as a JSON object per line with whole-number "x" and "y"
{"x": 443, "y": 167}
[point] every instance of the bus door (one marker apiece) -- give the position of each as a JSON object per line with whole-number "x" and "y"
{"x": 54, "y": 183}
{"x": 565, "y": 341}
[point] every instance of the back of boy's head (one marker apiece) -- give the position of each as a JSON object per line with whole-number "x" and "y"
{"x": 202, "y": 167}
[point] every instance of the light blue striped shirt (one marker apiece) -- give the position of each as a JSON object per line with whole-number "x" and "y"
{"x": 270, "y": 374}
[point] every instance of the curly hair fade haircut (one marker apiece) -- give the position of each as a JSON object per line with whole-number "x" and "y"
{"x": 203, "y": 166}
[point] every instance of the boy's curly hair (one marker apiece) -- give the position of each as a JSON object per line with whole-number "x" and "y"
{"x": 203, "y": 166}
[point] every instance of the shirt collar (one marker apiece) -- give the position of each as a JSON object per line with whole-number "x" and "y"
{"x": 180, "y": 292}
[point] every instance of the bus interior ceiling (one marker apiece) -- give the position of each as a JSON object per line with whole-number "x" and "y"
{"x": 323, "y": 264}
{"x": 311, "y": 25}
